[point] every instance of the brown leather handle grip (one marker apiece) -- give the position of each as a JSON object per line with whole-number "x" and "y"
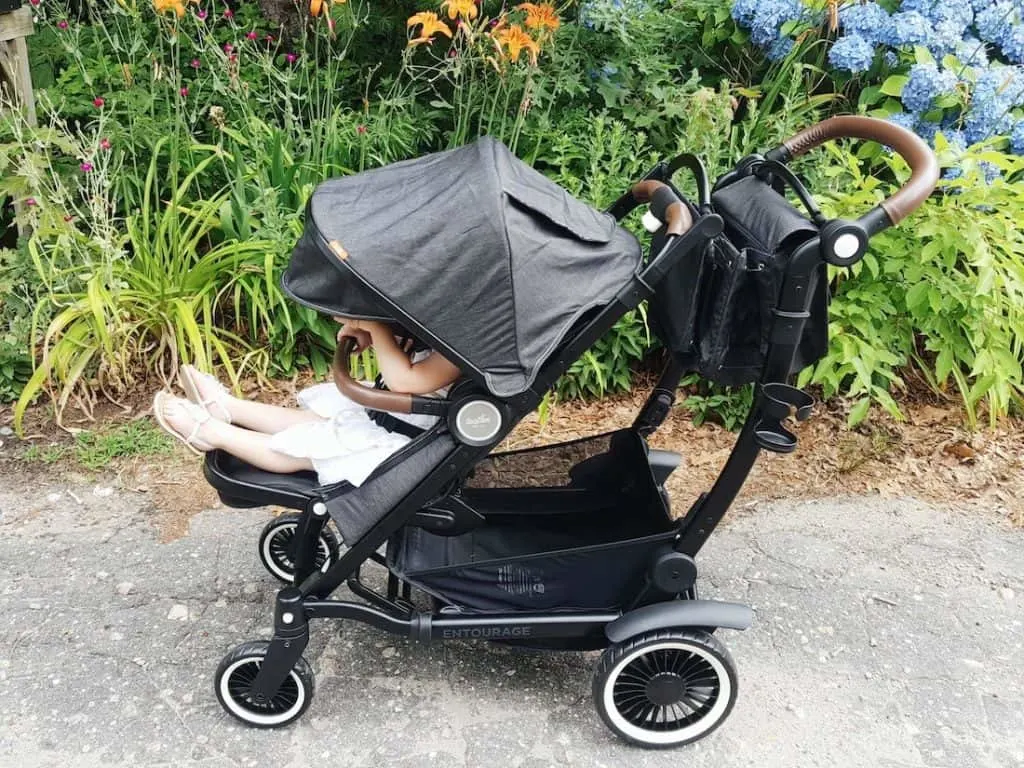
{"x": 677, "y": 216}
{"x": 368, "y": 397}
{"x": 922, "y": 161}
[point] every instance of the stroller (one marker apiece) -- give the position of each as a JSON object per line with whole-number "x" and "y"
{"x": 569, "y": 546}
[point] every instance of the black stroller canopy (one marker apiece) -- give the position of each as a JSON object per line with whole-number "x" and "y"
{"x": 473, "y": 251}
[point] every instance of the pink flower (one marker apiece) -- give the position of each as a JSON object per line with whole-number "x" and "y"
{"x": 184, "y": 93}
{"x": 196, "y": 64}
{"x": 229, "y": 14}
{"x": 105, "y": 144}
{"x": 233, "y": 57}
{"x": 360, "y": 129}
{"x": 269, "y": 38}
{"x": 252, "y": 35}
{"x": 62, "y": 24}
{"x": 228, "y": 47}
{"x": 34, "y": 2}
{"x": 290, "y": 58}
{"x": 31, "y": 202}
{"x": 68, "y": 219}
{"x": 98, "y": 102}
{"x": 201, "y": 15}
{"x": 85, "y": 167}
{"x": 452, "y": 53}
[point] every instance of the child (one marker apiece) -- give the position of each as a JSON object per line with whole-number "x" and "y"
{"x": 329, "y": 433}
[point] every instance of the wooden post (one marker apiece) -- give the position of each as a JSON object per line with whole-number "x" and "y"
{"x": 15, "y": 77}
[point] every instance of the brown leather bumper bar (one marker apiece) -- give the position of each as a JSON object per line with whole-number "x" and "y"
{"x": 922, "y": 161}
{"x": 368, "y": 397}
{"x": 676, "y": 215}
{"x": 379, "y": 399}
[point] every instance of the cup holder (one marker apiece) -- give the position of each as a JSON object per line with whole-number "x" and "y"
{"x": 779, "y": 402}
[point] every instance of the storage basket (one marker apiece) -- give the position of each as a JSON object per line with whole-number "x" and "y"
{"x": 594, "y": 520}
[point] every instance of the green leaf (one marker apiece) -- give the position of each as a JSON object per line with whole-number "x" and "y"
{"x": 893, "y": 85}
{"x": 859, "y": 412}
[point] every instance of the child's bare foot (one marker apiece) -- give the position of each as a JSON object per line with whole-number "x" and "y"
{"x": 184, "y": 420}
{"x": 206, "y": 392}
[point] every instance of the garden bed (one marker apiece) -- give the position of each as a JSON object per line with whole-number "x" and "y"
{"x": 929, "y": 456}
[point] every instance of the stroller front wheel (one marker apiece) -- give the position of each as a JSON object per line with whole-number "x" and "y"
{"x": 275, "y": 545}
{"x": 233, "y": 683}
{"x": 665, "y": 688}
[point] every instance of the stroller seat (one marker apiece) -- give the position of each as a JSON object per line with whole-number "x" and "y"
{"x": 242, "y": 485}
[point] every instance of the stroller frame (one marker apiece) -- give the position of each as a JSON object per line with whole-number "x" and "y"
{"x": 307, "y": 598}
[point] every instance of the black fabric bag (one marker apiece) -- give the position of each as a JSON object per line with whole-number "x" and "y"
{"x": 569, "y": 526}
{"x": 714, "y": 312}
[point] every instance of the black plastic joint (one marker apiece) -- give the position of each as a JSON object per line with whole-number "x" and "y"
{"x": 788, "y": 327}
{"x": 662, "y": 198}
{"x": 290, "y": 614}
{"x": 633, "y": 294}
{"x": 420, "y": 627}
{"x": 429, "y": 406}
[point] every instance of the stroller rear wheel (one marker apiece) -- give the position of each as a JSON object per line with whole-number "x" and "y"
{"x": 233, "y": 683}
{"x": 276, "y": 540}
{"x": 665, "y": 688}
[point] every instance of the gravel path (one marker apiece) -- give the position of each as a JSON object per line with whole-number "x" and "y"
{"x": 887, "y": 633}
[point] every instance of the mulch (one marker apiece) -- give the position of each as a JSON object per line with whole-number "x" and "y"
{"x": 929, "y": 455}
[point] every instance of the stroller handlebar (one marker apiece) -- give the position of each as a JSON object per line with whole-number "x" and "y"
{"x": 665, "y": 205}
{"x": 378, "y": 399}
{"x": 922, "y": 161}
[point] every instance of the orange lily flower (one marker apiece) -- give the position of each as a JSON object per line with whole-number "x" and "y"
{"x": 429, "y": 24}
{"x": 542, "y": 16}
{"x": 516, "y": 41}
{"x": 163, "y": 6}
{"x": 465, "y": 8}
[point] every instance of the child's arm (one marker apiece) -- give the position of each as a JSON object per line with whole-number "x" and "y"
{"x": 402, "y": 375}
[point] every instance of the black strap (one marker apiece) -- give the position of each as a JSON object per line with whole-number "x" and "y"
{"x": 393, "y": 423}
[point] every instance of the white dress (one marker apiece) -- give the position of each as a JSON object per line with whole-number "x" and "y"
{"x": 345, "y": 444}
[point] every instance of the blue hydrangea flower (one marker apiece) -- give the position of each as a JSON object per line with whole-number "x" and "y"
{"x": 927, "y": 129}
{"x": 996, "y": 92}
{"x": 904, "y": 120}
{"x": 971, "y": 52}
{"x": 907, "y": 28}
{"x": 995, "y": 22}
{"x": 1017, "y": 138}
{"x": 956, "y": 139}
{"x": 927, "y": 82}
{"x": 991, "y": 171}
{"x": 1013, "y": 45}
{"x": 780, "y": 48}
{"x": 980, "y": 5}
{"x": 891, "y": 59}
{"x": 868, "y": 21}
{"x": 852, "y": 53}
{"x": 769, "y": 16}
{"x": 743, "y": 11}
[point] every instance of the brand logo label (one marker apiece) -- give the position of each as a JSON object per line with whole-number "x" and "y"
{"x": 472, "y": 633}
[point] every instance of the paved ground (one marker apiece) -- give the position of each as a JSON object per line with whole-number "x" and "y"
{"x": 888, "y": 633}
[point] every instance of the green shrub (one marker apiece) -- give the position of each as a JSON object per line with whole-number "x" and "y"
{"x": 943, "y": 292}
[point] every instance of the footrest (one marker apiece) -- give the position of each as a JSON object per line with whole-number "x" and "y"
{"x": 242, "y": 485}
{"x": 779, "y": 402}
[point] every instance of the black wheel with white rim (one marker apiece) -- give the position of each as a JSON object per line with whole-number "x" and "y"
{"x": 276, "y": 540}
{"x": 233, "y": 683}
{"x": 666, "y": 688}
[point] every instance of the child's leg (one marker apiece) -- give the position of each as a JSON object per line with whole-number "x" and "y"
{"x": 268, "y": 419}
{"x": 252, "y": 447}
